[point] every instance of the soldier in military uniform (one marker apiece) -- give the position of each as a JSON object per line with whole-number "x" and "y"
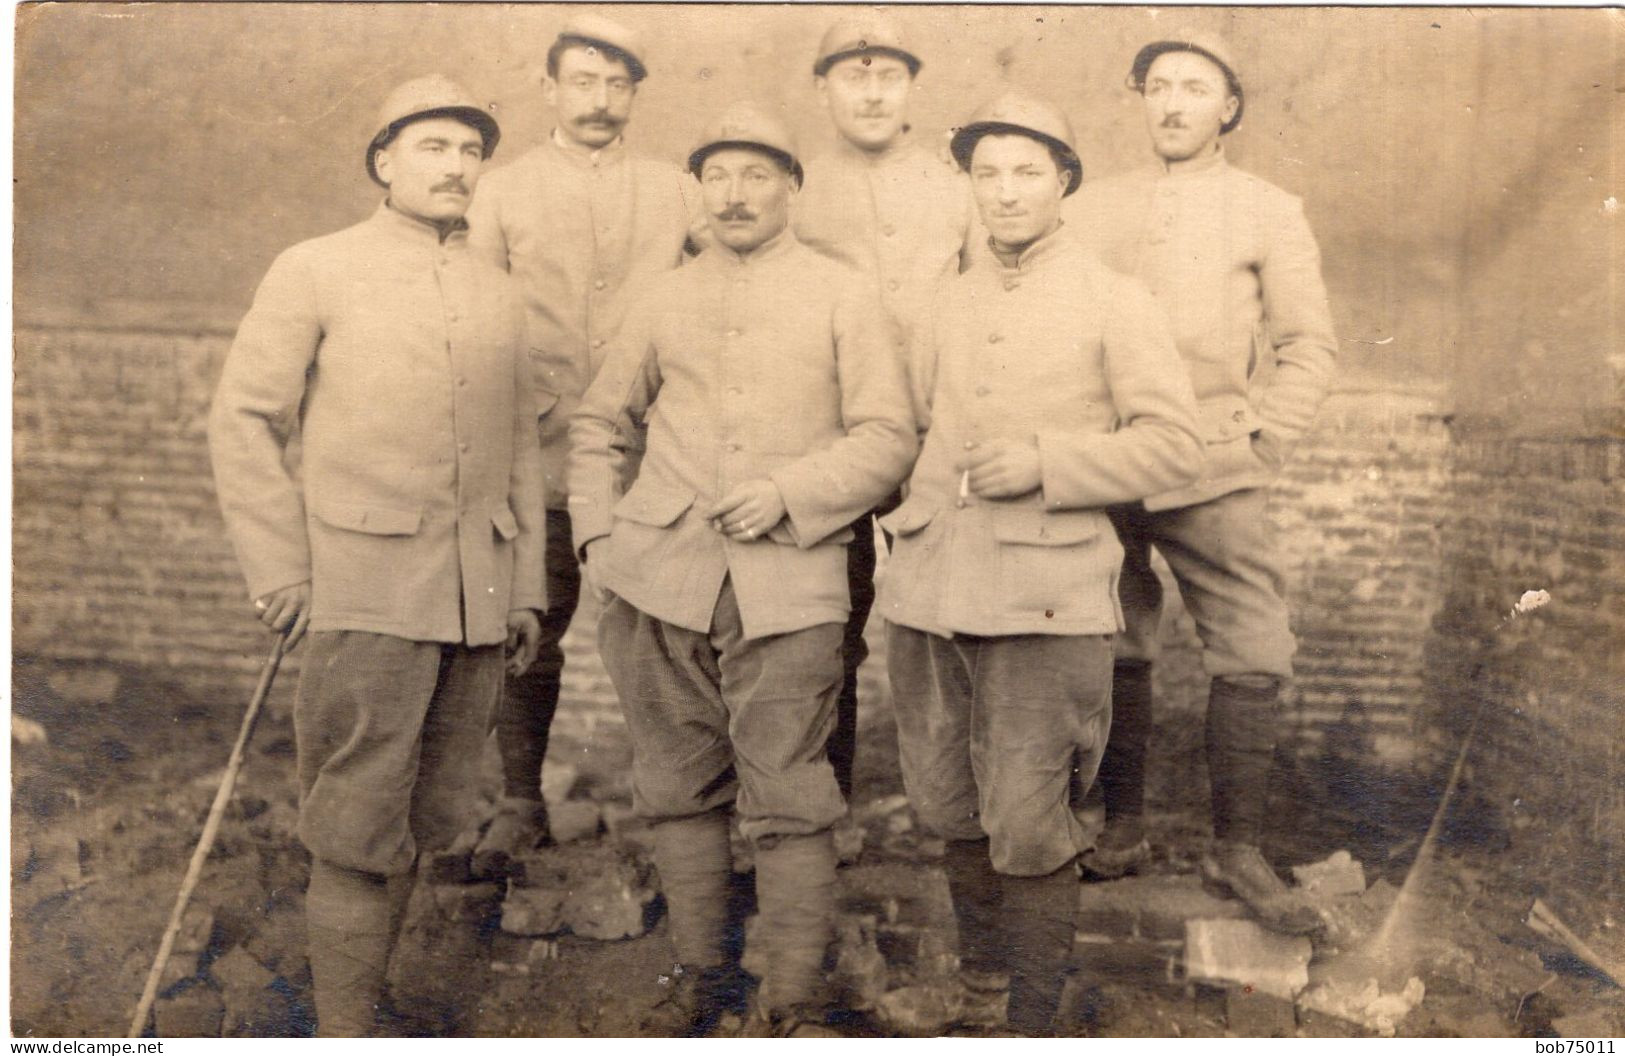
{"x": 776, "y": 412}
{"x": 1231, "y": 261}
{"x": 895, "y": 210}
{"x": 1053, "y": 391}
{"x": 582, "y": 223}
{"x": 409, "y": 537}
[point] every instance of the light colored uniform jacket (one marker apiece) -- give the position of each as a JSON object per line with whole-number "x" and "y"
{"x": 1233, "y": 265}
{"x": 1061, "y": 350}
{"x": 775, "y": 365}
{"x": 903, "y": 218}
{"x": 581, "y": 232}
{"x": 415, "y": 508}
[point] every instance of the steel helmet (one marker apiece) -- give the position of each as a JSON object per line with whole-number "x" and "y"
{"x": 1207, "y": 45}
{"x": 860, "y": 35}
{"x": 432, "y": 96}
{"x": 745, "y": 124}
{"x": 1022, "y": 113}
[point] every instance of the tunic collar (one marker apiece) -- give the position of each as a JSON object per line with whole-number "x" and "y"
{"x": 899, "y": 150}
{"x": 579, "y": 154}
{"x": 1035, "y": 255}
{"x": 776, "y": 246}
{"x": 419, "y": 231}
{"x": 1211, "y": 163}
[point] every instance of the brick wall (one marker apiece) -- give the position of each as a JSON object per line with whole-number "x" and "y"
{"x": 1405, "y": 550}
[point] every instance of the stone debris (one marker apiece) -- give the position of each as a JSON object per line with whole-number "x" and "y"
{"x": 1149, "y": 907}
{"x": 454, "y": 865}
{"x": 1339, "y": 874}
{"x": 848, "y": 842}
{"x": 928, "y": 1009}
{"x": 469, "y": 903}
{"x": 534, "y": 911}
{"x": 608, "y": 910}
{"x": 1244, "y": 953}
{"x": 26, "y": 731}
{"x": 880, "y": 808}
{"x": 238, "y": 973}
{"x": 1364, "y": 1002}
{"x": 576, "y": 819}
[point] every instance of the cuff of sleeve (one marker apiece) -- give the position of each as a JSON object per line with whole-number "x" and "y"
{"x": 1055, "y": 477}
{"x": 808, "y": 526}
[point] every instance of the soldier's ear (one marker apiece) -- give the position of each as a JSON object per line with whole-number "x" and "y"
{"x": 382, "y": 162}
{"x": 822, "y": 86}
{"x": 1231, "y": 105}
{"x": 550, "y": 90}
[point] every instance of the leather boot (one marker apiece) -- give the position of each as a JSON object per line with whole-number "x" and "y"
{"x": 1241, "y": 729}
{"x": 1040, "y": 920}
{"x": 795, "y": 889}
{"x": 518, "y": 828}
{"x": 1123, "y": 848}
{"x": 977, "y": 893}
{"x": 351, "y": 932}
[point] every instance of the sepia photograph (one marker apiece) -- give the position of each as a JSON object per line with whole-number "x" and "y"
{"x": 745, "y": 520}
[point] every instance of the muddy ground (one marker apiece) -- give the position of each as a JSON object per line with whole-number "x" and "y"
{"x": 106, "y": 812}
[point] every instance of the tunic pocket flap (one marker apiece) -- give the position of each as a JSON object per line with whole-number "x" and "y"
{"x": 373, "y": 520}
{"x": 503, "y": 520}
{"x": 546, "y": 399}
{"x": 654, "y": 506}
{"x": 908, "y": 518}
{"x": 1033, "y": 526}
{"x": 1225, "y": 420}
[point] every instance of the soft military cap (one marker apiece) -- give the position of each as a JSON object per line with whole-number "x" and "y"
{"x": 432, "y": 96}
{"x": 1021, "y": 113}
{"x": 747, "y": 125}
{"x": 594, "y": 30}
{"x": 863, "y": 35}
{"x": 1207, "y": 45}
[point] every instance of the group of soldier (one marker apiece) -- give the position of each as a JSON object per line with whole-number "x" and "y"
{"x": 697, "y": 391}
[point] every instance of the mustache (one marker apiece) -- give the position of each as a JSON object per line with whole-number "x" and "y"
{"x": 736, "y": 212}
{"x": 454, "y": 183}
{"x": 1173, "y": 121}
{"x": 599, "y": 117}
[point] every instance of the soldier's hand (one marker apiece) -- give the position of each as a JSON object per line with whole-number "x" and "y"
{"x": 524, "y": 639}
{"x": 749, "y": 511}
{"x": 592, "y": 569}
{"x": 1003, "y": 468}
{"x": 287, "y": 609}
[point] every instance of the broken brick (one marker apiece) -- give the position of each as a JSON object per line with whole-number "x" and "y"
{"x": 239, "y": 973}
{"x": 1243, "y": 952}
{"x": 558, "y": 781}
{"x": 1338, "y": 874}
{"x": 860, "y": 969}
{"x": 1149, "y": 907}
{"x": 197, "y": 925}
{"x": 607, "y": 909}
{"x": 534, "y": 910}
{"x": 1144, "y": 962}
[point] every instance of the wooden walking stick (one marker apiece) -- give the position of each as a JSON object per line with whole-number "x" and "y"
{"x": 205, "y": 842}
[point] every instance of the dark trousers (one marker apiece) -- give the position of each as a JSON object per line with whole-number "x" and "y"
{"x": 529, "y": 701}
{"x": 860, "y": 580}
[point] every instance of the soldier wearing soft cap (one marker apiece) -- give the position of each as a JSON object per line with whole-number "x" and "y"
{"x": 582, "y": 223}
{"x": 898, "y": 212}
{"x": 1233, "y": 265}
{"x": 1052, "y": 391}
{"x": 776, "y": 412}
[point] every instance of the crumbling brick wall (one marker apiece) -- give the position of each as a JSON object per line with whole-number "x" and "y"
{"x": 1405, "y": 551}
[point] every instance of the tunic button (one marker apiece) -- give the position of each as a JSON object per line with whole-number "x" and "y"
{"x": 982, "y": 390}
{"x": 959, "y": 503}
{"x": 454, "y": 317}
{"x": 462, "y": 383}
{"x": 889, "y": 230}
{"x": 598, "y": 342}
{"x": 734, "y": 332}
{"x": 733, "y": 447}
{"x": 994, "y": 338}
{"x": 735, "y": 390}
{"x": 463, "y": 447}
{"x": 1011, "y": 284}
{"x": 893, "y": 285}
{"x": 599, "y": 284}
